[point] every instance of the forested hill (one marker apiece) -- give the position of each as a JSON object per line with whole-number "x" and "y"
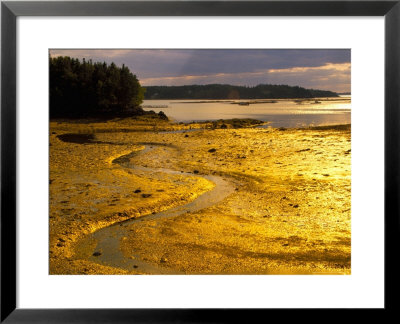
{"x": 87, "y": 89}
{"x": 226, "y": 91}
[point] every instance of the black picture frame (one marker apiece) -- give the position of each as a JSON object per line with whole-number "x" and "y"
{"x": 10, "y": 10}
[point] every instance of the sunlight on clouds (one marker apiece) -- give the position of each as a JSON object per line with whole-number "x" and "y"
{"x": 302, "y": 69}
{"x": 326, "y": 70}
{"x": 335, "y": 77}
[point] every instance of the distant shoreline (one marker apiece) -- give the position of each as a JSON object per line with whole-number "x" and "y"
{"x": 253, "y": 101}
{"x": 232, "y": 92}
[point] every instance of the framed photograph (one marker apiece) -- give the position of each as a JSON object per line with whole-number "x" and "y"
{"x": 193, "y": 161}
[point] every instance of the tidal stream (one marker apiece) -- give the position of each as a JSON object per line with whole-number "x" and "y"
{"x": 107, "y": 250}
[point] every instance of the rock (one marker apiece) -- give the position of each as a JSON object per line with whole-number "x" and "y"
{"x": 296, "y": 206}
{"x": 212, "y": 150}
{"x": 146, "y": 195}
{"x": 196, "y": 171}
{"x": 163, "y": 260}
{"x": 137, "y": 191}
{"x": 186, "y": 135}
{"x": 135, "y": 266}
{"x": 162, "y": 115}
{"x": 326, "y": 175}
{"x": 96, "y": 254}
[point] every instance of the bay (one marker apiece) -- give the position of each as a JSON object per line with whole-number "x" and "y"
{"x": 278, "y": 112}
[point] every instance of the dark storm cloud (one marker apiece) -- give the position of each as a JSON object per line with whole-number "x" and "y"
{"x": 247, "y": 67}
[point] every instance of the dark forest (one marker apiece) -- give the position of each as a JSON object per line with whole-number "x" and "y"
{"x": 87, "y": 89}
{"x": 225, "y": 91}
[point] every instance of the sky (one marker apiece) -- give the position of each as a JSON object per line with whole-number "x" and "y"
{"x": 325, "y": 69}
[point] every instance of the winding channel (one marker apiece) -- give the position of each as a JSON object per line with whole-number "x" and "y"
{"x": 107, "y": 240}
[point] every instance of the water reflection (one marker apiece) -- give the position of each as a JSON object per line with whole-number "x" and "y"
{"x": 280, "y": 113}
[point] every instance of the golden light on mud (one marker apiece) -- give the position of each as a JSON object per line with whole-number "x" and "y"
{"x": 278, "y": 201}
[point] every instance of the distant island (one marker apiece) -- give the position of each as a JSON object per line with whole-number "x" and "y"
{"x": 226, "y": 91}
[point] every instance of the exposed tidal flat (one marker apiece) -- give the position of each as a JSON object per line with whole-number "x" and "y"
{"x": 146, "y": 196}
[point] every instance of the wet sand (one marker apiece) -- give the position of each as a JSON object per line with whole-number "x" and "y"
{"x": 286, "y": 208}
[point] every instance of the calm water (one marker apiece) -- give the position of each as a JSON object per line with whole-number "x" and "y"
{"x": 283, "y": 113}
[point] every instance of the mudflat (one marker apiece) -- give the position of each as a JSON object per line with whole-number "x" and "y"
{"x": 143, "y": 196}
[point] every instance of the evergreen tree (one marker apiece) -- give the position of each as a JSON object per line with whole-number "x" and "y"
{"x": 87, "y": 89}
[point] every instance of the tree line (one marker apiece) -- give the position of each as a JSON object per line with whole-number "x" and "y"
{"x": 87, "y": 89}
{"x": 226, "y": 91}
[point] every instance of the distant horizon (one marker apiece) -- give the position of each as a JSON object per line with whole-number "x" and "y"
{"x": 241, "y": 85}
{"x": 324, "y": 69}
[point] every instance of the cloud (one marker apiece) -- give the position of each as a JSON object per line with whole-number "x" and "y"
{"x": 323, "y": 69}
{"x": 100, "y": 54}
{"x": 330, "y": 76}
{"x": 335, "y": 77}
{"x": 305, "y": 69}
